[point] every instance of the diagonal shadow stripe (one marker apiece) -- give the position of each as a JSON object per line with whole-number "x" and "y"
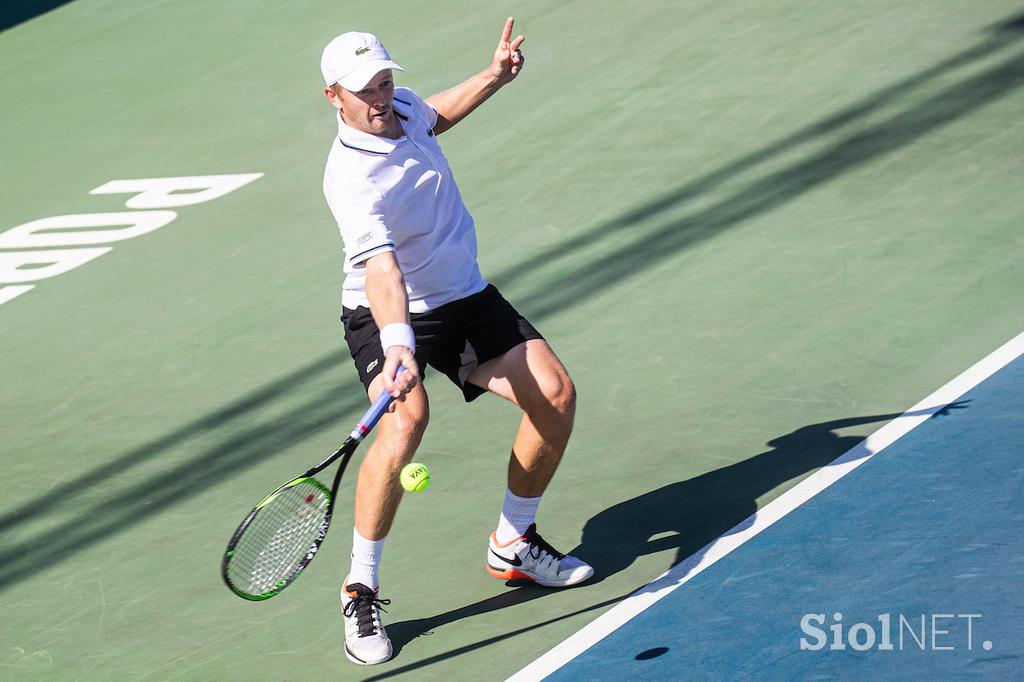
{"x": 265, "y": 395}
{"x": 131, "y": 503}
{"x": 14, "y": 12}
{"x": 1003, "y": 35}
{"x": 650, "y": 247}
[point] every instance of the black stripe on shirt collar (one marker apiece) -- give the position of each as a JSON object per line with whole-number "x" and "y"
{"x": 361, "y": 149}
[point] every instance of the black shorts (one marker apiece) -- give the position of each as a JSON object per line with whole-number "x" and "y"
{"x": 454, "y": 338}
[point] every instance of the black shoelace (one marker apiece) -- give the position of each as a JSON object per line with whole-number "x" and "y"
{"x": 362, "y": 606}
{"x": 538, "y": 544}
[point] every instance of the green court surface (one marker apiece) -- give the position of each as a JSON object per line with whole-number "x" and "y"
{"x": 731, "y": 220}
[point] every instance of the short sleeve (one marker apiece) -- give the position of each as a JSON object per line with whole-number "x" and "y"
{"x": 417, "y": 107}
{"x": 359, "y": 211}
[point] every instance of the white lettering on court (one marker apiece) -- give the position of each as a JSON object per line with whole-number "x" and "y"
{"x": 81, "y": 229}
{"x": 66, "y": 230}
{"x": 173, "y": 192}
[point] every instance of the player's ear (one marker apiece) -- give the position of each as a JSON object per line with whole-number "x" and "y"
{"x": 333, "y": 96}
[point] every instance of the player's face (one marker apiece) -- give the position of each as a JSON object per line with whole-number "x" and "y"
{"x": 369, "y": 109}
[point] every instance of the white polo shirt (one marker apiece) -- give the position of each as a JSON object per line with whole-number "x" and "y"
{"x": 400, "y": 195}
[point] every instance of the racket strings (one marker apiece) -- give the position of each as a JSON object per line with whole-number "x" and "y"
{"x": 279, "y": 537}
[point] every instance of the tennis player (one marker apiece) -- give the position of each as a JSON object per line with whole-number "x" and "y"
{"x": 413, "y": 295}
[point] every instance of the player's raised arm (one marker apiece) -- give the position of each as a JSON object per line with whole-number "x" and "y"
{"x": 456, "y": 103}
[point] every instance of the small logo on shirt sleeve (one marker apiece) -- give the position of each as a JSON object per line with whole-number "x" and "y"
{"x": 365, "y": 238}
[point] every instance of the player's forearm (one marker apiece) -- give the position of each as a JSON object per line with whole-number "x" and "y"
{"x": 389, "y": 301}
{"x": 456, "y": 103}
{"x": 389, "y": 305}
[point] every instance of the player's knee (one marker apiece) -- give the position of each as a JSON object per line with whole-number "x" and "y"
{"x": 412, "y": 424}
{"x": 564, "y": 400}
{"x": 402, "y": 430}
{"x": 559, "y": 395}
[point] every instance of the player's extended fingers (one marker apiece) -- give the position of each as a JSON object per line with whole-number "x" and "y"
{"x": 506, "y": 32}
{"x": 517, "y": 42}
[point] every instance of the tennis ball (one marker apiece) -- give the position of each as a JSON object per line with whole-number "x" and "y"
{"x": 415, "y": 477}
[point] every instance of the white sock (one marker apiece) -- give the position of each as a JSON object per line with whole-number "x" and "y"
{"x": 365, "y": 560}
{"x": 516, "y": 516}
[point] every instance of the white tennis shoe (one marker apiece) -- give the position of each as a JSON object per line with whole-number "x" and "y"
{"x": 366, "y": 640}
{"x": 529, "y": 557}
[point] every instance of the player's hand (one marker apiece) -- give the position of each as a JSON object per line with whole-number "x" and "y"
{"x": 947, "y": 410}
{"x": 398, "y": 384}
{"x": 508, "y": 59}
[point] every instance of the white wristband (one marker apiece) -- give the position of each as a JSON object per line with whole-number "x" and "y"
{"x": 397, "y": 334}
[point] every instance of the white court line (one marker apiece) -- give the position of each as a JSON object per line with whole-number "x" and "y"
{"x": 684, "y": 571}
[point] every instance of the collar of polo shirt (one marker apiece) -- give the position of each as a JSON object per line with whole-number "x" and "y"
{"x": 357, "y": 139}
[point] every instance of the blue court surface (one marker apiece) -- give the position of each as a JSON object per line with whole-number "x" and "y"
{"x": 915, "y": 558}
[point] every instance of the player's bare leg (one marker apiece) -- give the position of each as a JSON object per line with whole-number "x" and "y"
{"x": 377, "y": 496}
{"x": 532, "y": 377}
{"x": 398, "y": 435}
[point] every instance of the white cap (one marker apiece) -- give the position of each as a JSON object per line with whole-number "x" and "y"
{"x": 353, "y": 58}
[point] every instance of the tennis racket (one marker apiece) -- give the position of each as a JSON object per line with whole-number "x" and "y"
{"x": 281, "y": 535}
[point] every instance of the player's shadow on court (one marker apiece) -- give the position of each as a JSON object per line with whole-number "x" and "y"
{"x": 683, "y": 517}
{"x": 688, "y": 515}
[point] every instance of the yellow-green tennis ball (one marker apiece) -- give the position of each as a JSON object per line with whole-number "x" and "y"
{"x": 415, "y": 477}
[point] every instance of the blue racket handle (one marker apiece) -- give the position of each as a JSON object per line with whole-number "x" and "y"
{"x": 373, "y": 415}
